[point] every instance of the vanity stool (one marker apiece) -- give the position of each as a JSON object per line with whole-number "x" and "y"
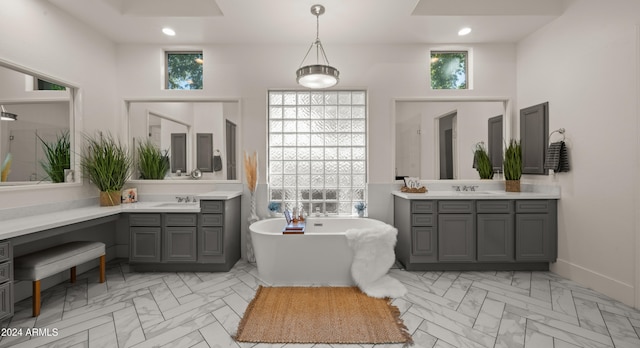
{"x": 41, "y": 264}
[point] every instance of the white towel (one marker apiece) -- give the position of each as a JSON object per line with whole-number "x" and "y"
{"x": 373, "y": 256}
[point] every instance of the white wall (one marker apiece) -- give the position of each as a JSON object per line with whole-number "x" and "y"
{"x": 39, "y": 36}
{"x": 585, "y": 64}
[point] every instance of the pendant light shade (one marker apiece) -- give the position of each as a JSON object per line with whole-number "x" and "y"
{"x": 7, "y": 116}
{"x": 317, "y": 75}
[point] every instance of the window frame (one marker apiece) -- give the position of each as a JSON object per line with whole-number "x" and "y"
{"x": 332, "y": 199}
{"x": 166, "y": 68}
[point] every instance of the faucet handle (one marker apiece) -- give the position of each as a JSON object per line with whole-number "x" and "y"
{"x": 456, "y": 187}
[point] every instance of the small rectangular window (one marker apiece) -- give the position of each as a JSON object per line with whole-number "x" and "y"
{"x": 184, "y": 70}
{"x": 43, "y": 85}
{"x": 449, "y": 69}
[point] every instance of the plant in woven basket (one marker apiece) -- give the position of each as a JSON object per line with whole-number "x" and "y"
{"x": 512, "y": 166}
{"x": 106, "y": 162}
{"x": 153, "y": 164}
{"x": 482, "y": 161}
{"x": 57, "y": 157}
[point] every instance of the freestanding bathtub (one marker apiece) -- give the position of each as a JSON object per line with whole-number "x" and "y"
{"x": 320, "y": 256}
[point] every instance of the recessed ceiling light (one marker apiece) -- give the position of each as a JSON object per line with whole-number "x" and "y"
{"x": 168, "y": 31}
{"x": 464, "y": 31}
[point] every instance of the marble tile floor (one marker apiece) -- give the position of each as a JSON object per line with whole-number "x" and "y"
{"x": 442, "y": 309}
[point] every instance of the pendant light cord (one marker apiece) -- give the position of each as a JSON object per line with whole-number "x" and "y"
{"x": 318, "y": 44}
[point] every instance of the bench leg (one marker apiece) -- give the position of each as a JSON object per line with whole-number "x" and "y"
{"x": 36, "y": 298}
{"x": 72, "y": 276}
{"x": 102, "y": 267}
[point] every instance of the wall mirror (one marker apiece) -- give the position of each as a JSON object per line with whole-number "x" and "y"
{"x": 194, "y": 133}
{"x": 435, "y": 137}
{"x": 44, "y": 113}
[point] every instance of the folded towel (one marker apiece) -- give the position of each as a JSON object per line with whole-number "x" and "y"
{"x": 217, "y": 163}
{"x": 557, "y": 158}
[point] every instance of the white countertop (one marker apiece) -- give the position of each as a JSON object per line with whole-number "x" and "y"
{"x": 36, "y": 222}
{"x": 489, "y": 194}
{"x": 223, "y": 195}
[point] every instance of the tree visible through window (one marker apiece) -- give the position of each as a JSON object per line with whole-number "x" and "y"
{"x": 43, "y": 85}
{"x": 449, "y": 69}
{"x": 184, "y": 70}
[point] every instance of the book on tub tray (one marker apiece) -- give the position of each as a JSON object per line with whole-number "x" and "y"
{"x": 294, "y": 228}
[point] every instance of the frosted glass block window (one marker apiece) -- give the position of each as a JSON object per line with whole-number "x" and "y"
{"x": 317, "y": 150}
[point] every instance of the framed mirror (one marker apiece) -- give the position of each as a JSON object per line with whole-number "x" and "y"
{"x": 194, "y": 133}
{"x": 435, "y": 137}
{"x": 37, "y": 143}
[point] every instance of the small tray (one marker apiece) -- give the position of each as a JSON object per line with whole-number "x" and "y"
{"x": 414, "y": 190}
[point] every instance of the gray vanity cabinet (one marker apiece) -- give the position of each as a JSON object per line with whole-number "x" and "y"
{"x": 219, "y": 233}
{"x": 179, "y": 237}
{"x": 495, "y": 222}
{"x": 145, "y": 235}
{"x": 211, "y": 236}
{"x": 536, "y": 230}
{"x": 417, "y": 236}
{"x": 6, "y": 280}
{"x": 456, "y": 231}
{"x": 476, "y": 234}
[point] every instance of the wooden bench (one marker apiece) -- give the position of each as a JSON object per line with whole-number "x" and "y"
{"x": 47, "y": 262}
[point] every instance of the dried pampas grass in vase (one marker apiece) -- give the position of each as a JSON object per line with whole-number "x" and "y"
{"x": 251, "y": 173}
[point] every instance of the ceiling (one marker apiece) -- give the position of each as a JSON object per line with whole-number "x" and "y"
{"x": 291, "y": 22}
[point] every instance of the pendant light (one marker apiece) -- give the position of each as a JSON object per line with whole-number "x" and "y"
{"x": 7, "y": 116}
{"x": 317, "y": 75}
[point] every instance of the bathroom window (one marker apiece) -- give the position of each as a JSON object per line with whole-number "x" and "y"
{"x": 449, "y": 69}
{"x": 44, "y": 85}
{"x": 183, "y": 70}
{"x": 318, "y": 149}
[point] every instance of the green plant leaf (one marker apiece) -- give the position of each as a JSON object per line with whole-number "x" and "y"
{"x": 152, "y": 163}
{"x": 513, "y": 161}
{"x": 106, "y": 162}
{"x": 57, "y": 157}
{"x": 483, "y": 162}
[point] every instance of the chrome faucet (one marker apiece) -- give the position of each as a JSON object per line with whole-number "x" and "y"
{"x": 186, "y": 199}
{"x": 469, "y": 188}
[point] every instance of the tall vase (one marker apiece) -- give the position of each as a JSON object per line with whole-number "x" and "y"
{"x": 253, "y": 217}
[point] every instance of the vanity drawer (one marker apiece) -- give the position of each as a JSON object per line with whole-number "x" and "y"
{"x": 180, "y": 219}
{"x": 494, "y": 207}
{"x": 5, "y": 251}
{"x": 211, "y": 207}
{"x": 211, "y": 219}
{"x": 421, "y": 219}
{"x": 533, "y": 206}
{"x": 421, "y": 207}
{"x": 5, "y": 272}
{"x": 144, "y": 220}
{"x": 455, "y": 207}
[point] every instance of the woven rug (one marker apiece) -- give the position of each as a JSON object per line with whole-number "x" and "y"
{"x": 320, "y": 315}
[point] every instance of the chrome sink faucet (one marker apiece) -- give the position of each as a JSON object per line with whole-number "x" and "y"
{"x": 186, "y": 199}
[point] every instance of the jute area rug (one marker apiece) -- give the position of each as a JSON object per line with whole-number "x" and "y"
{"x": 320, "y": 315}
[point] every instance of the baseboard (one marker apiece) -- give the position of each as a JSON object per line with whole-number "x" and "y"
{"x": 613, "y": 288}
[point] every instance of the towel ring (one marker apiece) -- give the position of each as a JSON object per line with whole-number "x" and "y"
{"x": 559, "y": 131}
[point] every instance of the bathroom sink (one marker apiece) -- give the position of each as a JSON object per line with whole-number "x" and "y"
{"x": 474, "y": 192}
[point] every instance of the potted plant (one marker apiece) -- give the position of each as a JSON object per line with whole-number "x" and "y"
{"x": 360, "y": 207}
{"x": 274, "y": 208}
{"x": 152, "y": 163}
{"x": 57, "y": 157}
{"x": 512, "y": 166}
{"x": 106, "y": 162}
{"x": 482, "y": 161}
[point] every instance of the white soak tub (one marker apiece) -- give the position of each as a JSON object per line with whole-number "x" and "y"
{"x": 320, "y": 256}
